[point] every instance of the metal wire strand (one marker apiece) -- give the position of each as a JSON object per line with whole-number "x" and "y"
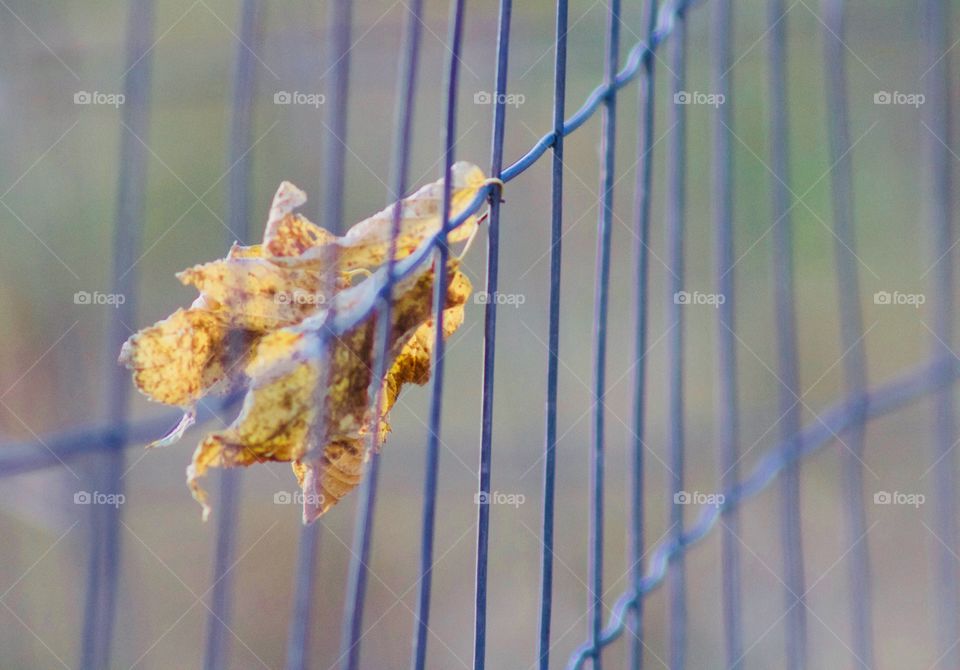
{"x": 490, "y": 340}
{"x": 238, "y": 222}
{"x": 601, "y": 307}
{"x": 338, "y": 38}
{"x": 104, "y": 567}
{"x": 675, "y": 219}
{"x": 553, "y": 328}
{"x": 851, "y": 330}
{"x": 939, "y": 177}
{"x": 441, "y": 256}
{"x": 728, "y": 429}
{"x": 340, "y": 21}
{"x": 338, "y": 31}
{"x": 642, "y": 202}
{"x": 786, "y": 333}
{"x": 298, "y": 632}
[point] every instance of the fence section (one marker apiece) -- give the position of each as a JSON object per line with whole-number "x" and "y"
{"x": 845, "y": 423}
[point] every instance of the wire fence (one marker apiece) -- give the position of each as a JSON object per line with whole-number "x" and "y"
{"x": 651, "y": 567}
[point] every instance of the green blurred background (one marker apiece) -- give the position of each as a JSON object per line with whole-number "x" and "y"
{"x": 59, "y": 161}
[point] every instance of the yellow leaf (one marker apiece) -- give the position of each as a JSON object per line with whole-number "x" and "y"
{"x": 259, "y": 319}
{"x": 256, "y": 294}
{"x": 338, "y": 471}
{"x": 368, "y": 243}
{"x": 278, "y": 418}
{"x": 180, "y": 359}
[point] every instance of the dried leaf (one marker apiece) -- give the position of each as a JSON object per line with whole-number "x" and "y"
{"x": 326, "y": 480}
{"x": 367, "y": 243}
{"x": 256, "y": 294}
{"x": 277, "y": 417}
{"x": 180, "y": 359}
{"x": 258, "y": 322}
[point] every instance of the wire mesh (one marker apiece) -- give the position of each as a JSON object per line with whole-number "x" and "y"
{"x": 844, "y": 422}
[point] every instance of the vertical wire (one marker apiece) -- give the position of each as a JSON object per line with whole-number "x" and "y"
{"x": 339, "y": 19}
{"x": 298, "y": 634}
{"x": 403, "y": 132}
{"x": 238, "y": 221}
{"x": 215, "y": 648}
{"x": 406, "y": 97}
{"x": 553, "y": 336}
{"x": 102, "y": 582}
{"x": 442, "y": 254}
{"x": 601, "y": 301}
{"x": 364, "y": 523}
{"x": 728, "y": 413}
{"x": 490, "y": 338}
{"x": 331, "y": 214}
{"x": 359, "y": 562}
{"x": 936, "y": 21}
{"x": 676, "y": 204}
{"x": 792, "y": 544}
{"x": 403, "y": 124}
{"x": 641, "y": 206}
{"x": 851, "y": 329}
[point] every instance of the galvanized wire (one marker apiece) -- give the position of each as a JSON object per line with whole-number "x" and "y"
{"x": 675, "y": 220}
{"x": 847, "y": 417}
{"x": 489, "y": 340}
{"x": 608, "y": 139}
{"x": 940, "y": 197}
{"x": 643, "y": 198}
{"x": 104, "y": 560}
{"x": 728, "y": 426}
{"x": 786, "y": 336}
{"x": 851, "y": 330}
{"x": 553, "y": 338}
{"x": 238, "y": 224}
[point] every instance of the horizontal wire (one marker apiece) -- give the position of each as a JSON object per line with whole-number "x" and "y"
{"x": 22, "y": 457}
{"x": 43, "y": 452}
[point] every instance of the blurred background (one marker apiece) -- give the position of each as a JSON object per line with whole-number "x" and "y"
{"x": 58, "y": 179}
